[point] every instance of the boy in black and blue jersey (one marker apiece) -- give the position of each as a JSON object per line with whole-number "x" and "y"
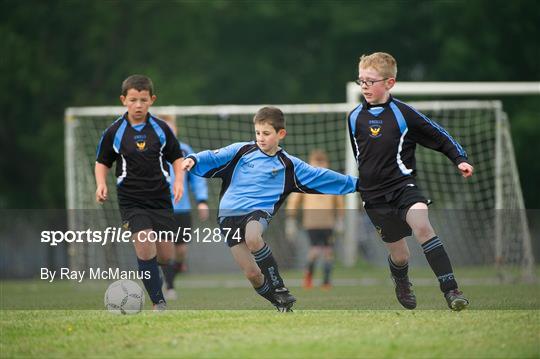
{"x": 257, "y": 177}
{"x": 142, "y": 145}
{"x": 384, "y": 132}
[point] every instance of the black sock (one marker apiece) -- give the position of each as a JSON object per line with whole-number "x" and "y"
{"x": 266, "y": 262}
{"x": 265, "y": 291}
{"x": 398, "y": 271}
{"x": 327, "y": 270}
{"x": 152, "y": 284}
{"x": 440, "y": 263}
{"x": 310, "y": 267}
{"x": 169, "y": 272}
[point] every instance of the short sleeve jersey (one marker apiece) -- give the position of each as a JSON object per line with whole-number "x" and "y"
{"x": 141, "y": 153}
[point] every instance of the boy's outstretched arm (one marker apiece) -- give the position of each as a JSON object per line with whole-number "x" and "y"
{"x": 214, "y": 163}
{"x": 309, "y": 179}
{"x": 101, "y": 172}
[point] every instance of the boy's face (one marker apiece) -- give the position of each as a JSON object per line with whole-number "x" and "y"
{"x": 137, "y": 104}
{"x": 378, "y": 92}
{"x": 268, "y": 138}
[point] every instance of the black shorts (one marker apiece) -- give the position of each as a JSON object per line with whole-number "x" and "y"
{"x": 388, "y": 212}
{"x": 140, "y": 214}
{"x": 183, "y": 221}
{"x": 234, "y": 228}
{"x": 320, "y": 237}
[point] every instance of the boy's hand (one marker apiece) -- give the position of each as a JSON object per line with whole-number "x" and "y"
{"x": 187, "y": 164}
{"x": 204, "y": 211}
{"x": 101, "y": 193}
{"x": 465, "y": 169}
{"x": 178, "y": 189}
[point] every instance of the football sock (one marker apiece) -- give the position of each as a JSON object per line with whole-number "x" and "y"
{"x": 327, "y": 270}
{"x": 266, "y": 262}
{"x": 153, "y": 284}
{"x": 265, "y": 291}
{"x": 398, "y": 271}
{"x": 440, "y": 263}
{"x": 169, "y": 271}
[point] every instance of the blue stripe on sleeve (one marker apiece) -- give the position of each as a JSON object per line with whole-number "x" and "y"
{"x": 399, "y": 117}
{"x": 118, "y": 136}
{"x": 159, "y": 132}
{"x": 460, "y": 149}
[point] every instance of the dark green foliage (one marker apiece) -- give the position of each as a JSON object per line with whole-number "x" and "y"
{"x": 57, "y": 54}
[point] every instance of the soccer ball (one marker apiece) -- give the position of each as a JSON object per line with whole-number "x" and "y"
{"x": 124, "y": 297}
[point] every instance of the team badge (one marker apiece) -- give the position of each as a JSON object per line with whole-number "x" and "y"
{"x": 274, "y": 172}
{"x": 140, "y": 142}
{"x": 141, "y": 145}
{"x": 375, "y": 131}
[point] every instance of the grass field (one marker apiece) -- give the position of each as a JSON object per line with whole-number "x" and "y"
{"x": 219, "y": 316}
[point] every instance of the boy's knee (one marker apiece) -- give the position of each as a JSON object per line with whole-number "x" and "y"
{"x": 423, "y": 232}
{"x": 253, "y": 274}
{"x": 254, "y": 242}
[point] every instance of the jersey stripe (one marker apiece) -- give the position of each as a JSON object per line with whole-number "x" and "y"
{"x": 403, "y": 129}
{"x": 352, "y": 126}
{"x": 118, "y": 136}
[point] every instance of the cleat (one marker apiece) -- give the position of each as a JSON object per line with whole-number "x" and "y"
{"x": 404, "y": 293}
{"x": 308, "y": 281}
{"x": 283, "y": 300}
{"x": 160, "y": 307}
{"x": 455, "y": 299}
{"x": 170, "y": 294}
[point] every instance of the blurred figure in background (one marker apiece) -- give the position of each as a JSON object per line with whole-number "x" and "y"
{"x": 198, "y": 188}
{"x": 322, "y": 217}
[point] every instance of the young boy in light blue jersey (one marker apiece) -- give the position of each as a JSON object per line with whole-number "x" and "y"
{"x": 257, "y": 177}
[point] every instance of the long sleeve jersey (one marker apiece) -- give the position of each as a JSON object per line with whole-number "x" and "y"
{"x": 384, "y": 138}
{"x": 253, "y": 180}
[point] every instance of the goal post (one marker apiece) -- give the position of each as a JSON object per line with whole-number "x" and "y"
{"x": 510, "y": 247}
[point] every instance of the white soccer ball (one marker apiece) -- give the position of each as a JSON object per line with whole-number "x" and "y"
{"x": 124, "y": 297}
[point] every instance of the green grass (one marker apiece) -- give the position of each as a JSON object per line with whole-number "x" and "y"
{"x": 348, "y": 321}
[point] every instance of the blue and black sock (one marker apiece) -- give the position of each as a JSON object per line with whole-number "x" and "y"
{"x": 440, "y": 264}
{"x": 152, "y": 284}
{"x": 265, "y": 291}
{"x": 398, "y": 271}
{"x": 266, "y": 262}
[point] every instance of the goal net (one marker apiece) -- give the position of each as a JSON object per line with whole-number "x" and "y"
{"x": 481, "y": 220}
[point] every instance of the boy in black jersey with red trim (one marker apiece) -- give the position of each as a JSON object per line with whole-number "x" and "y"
{"x": 142, "y": 145}
{"x": 384, "y": 133}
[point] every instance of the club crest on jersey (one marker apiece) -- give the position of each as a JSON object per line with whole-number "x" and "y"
{"x": 375, "y": 131}
{"x": 274, "y": 172}
{"x": 140, "y": 142}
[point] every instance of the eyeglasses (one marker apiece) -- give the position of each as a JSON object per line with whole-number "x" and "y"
{"x": 368, "y": 83}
